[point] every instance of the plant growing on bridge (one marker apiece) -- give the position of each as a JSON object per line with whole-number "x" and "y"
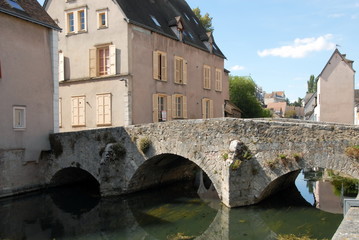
{"x": 118, "y": 150}
{"x": 236, "y": 164}
{"x": 352, "y": 152}
{"x": 144, "y": 144}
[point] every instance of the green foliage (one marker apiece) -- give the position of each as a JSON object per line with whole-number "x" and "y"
{"x": 118, "y": 150}
{"x": 144, "y": 144}
{"x": 293, "y": 237}
{"x": 282, "y": 156}
{"x": 180, "y": 236}
{"x": 312, "y": 84}
{"x": 352, "y": 152}
{"x": 236, "y": 164}
{"x": 290, "y": 114}
{"x": 225, "y": 156}
{"x": 242, "y": 92}
{"x": 205, "y": 20}
{"x": 349, "y": 185}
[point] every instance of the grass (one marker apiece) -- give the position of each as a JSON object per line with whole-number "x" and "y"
{"x": 144, "y": 144}
{"x": 352, "y": 152}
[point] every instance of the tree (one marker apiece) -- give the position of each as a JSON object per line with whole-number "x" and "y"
{"x": 242, "y": 92}
{"x": 205, "y": 20}
{"x": 312, "y": 84}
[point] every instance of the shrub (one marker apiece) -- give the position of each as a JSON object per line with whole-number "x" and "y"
{"x": 352, "y": 152}
{"x": 236, "y": 164}
{"x": 118, "y": 150}
{"x": 144, "y": 144}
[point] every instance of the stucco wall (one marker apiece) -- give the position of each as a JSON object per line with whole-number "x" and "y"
{"x": 26, "y": 81}
{"x": 336, "y": 92}
{"x": 143, "y": 43}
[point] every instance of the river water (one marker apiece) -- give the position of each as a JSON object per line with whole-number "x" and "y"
{"x": 311, "y": 208}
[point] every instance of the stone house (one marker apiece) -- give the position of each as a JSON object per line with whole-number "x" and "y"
{"x": 28, "y": 91}
{"x": 334, "y": 99}
{"x": 133, "y": 62}
{"x": 274, "y": 97}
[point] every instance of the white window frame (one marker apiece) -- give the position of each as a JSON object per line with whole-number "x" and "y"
{"x": 180, "y": 70}
{"x": 19, "y": 123}
{"x": 99, "y": 13}
{"x": 218, "y": 86}
{"x": 94, "y": 61}
{"x": 77, "y": 20}
{"x": 160, "y": 66}
{"x": 206, "y": 77}
{"x": 77, "y": 111}
{"x": 104, "y": 110}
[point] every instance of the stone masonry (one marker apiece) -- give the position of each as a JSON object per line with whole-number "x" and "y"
{"x": 246, "y": 159}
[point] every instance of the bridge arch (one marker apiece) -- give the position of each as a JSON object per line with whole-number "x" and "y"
{"x": 74, "y": 176}
{"x": 165, "y": 169}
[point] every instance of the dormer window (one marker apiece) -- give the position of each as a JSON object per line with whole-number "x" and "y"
{"x": 177, "y": 27}
{"x": 15, "y": 4}
{"x": 209, "y": 41}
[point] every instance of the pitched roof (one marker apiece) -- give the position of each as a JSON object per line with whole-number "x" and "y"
{"x": 343, "y": 56}
{"x": 159, "y": 15}
{"x": 28, "y": 10}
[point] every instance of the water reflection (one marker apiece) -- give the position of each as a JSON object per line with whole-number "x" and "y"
{"x": 171, "y": 213}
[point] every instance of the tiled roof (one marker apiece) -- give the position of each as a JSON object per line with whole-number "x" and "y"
{"x": 29, "y": 10}
{"x": 159, "y": 16}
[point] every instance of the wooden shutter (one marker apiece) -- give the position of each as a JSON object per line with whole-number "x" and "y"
{"x": 0, "y": 69}
{"x": 61, "y": 67}
{"x": 176, "y": 70}
{"x": 112, "y": 50}
{"x": 60, "y": 112}
{"x": 155, "y": 107}
{"x": 184, "y": 72}
{"x": 81, "y": 113}
{"x": 155, "y": 65}
{"x": 92, "y": 62}
{"x": 99, "y": 110}
{"x": 184, "y": 106}
{"x": 74, "y": 111}
{"x": 211, "y": 114}
{"x": 174, "y": 109}
{"x": 169, "y": 108}
{"x": 164, "y": 66}
{"x": 107, "y": 109}
{"x": 204, "y": 112}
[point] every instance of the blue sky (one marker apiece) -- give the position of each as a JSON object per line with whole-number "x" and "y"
{"x": 280, "y": 43}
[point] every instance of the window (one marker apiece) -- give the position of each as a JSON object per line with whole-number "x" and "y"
{"x": 206, "y": 77}
{"x": 103, "y": 109}
{"x": 19, "y": 117}
{"x": 102, "y": 19}
{"x": 161, "y": 107}
{"x": 102, "y": 60}
{"x": 218, "y": 80}
{"x": 160, "y": 66}
{"x": 15, "y": 4}
{"x": 60, "y": 112}
{"x": 180, "y": 70}
{"x": 78, "y": 111}
{"x": 76, "y": 20}
{"x": 179, "y": 106}
{"x": 207, "y": 108}
{"x": 154, "y": 19}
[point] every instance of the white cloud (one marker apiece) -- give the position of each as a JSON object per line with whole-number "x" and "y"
{"x": 336, "y": 15}
{"x": 237, "y": 68}
{"x": 300, "y": 48}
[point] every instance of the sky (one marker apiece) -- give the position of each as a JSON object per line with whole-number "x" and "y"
{"x": 280, "y": 43}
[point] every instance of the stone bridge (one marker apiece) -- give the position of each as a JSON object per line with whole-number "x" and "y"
{"x": 245, "y": 159}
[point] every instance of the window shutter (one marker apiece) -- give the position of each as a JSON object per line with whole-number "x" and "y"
{"x": 92, "y": 62}
{"x": 155, "y": 107}
{"x": 169, "y": 108}
{"x": 60, "y": 112}
{"x": 81, "y": 114}
{"x": 164, "y": 66}
{"x": 107, "y": 109}
{"x": 204, "y": 76}
{"x": 112, "y": 49}
{"x": 184, "y": 72}
{"x": 184, "y": 105}
{"x": 99, "y": 109}
{"x": 176, "y": 70}
{"x": 61, "y": 67}
{"x": 209, "y": 77}
{"x": 155, "y": 65}
{"x": 211, "y": 114}
{"x": 0, "y": 69}
{"x": 204, "y": 108}
{"x": 74, "y": 111}
{"x": 174, "y": 109}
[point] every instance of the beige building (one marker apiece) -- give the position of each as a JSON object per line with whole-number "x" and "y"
{"x": 274, "y": 97}
{"x": 334, "y": 99}
{"x": 132, "y": 62}
{"x": 28, "y": 91}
